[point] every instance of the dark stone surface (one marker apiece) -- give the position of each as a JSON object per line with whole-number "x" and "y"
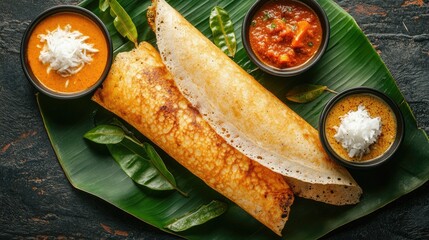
{"x": 37, "y": 201}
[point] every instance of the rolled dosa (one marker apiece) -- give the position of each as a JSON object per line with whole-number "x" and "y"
{"x": 245, "y": 114}
{"x": 140, "y": 90}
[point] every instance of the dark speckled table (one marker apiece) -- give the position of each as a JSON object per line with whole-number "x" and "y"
{"x": 37, "y": 201}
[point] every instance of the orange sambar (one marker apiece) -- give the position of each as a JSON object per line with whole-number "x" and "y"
{"x": 376, "y": 107}
{"x": 89, "y": 74}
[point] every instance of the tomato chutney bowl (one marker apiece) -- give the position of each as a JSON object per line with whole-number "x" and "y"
{"x": 285, "y": 37}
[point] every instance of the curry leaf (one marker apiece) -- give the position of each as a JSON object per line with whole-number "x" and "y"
{"x": 103, "y": 5}
{"x": 223, "y": 31}
{"x": 138, "y": 160}
{"x": 156, "y": 161}
{"x": 105, "y": 134}
{"x": 138, "y": 167}
{"x": 123, "y": 22}
{"x": 306, "y": 92}
{"x": 201, "y": 215}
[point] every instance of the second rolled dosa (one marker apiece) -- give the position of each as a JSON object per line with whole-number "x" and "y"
{"x": 245, "y": 114}
{"x": 140, "y": 90}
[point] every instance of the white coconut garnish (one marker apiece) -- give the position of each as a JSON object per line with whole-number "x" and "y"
{"x": 65, "y": 51}
{"x": 358, "y": 131}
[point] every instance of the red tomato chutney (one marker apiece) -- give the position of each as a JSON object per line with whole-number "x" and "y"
{"x": 285, "y": 33}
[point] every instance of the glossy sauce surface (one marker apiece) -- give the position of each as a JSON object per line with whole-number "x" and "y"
{"x": 89, "y": 74}
{"x": 285, "y": 33}
{"x": 376, "y": 108}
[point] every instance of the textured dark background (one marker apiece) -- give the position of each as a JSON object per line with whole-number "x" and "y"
{"x": 37, "y": 201}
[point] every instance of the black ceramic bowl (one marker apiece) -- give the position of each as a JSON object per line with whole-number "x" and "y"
{"x": 24, "y": 44}
{"x": 292, "y": 71}
{"x": 377, "y": 160}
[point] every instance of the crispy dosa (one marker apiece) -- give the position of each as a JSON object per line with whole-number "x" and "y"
{"x": 141, "y": 91}
{"x": 245, "y": 114}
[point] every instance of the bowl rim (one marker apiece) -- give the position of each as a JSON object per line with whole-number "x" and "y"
{"x": 293, "y": 71}
{"x": 400, "y": 128}
{"x": 26, "y": 36}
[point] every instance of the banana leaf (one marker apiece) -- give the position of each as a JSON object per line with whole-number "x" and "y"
{"x": 349, "y": 61}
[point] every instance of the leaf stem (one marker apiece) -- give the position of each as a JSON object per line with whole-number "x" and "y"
{"x": 331, "y": 91}
{"x": 252, "y": 70}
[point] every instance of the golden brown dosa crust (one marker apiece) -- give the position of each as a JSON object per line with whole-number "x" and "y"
{"x": 245, "y": 114}
{"x": 140, "y": 90}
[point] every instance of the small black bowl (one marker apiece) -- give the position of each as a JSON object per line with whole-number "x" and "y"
{"x": 400, "y": 128}
{"x": 292, "y": 71}
{"x": 26, "y": 37}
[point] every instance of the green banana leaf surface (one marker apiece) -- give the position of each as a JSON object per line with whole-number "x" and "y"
{"x": 349, "y": 61}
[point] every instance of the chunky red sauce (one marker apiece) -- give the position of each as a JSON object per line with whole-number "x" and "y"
{"x": 285, "y": 33}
